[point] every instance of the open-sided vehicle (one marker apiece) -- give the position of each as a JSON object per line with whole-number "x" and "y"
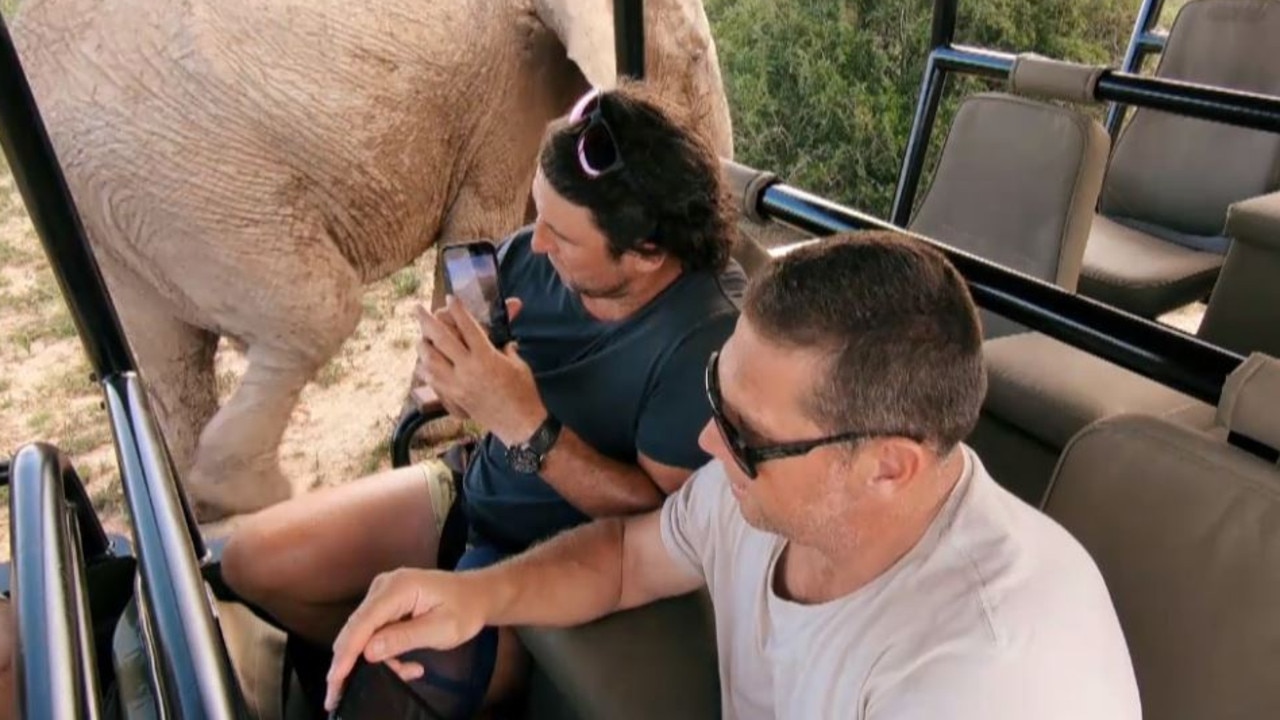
{"x": 1183, "y": 517}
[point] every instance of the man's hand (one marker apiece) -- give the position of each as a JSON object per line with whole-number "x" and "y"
{"x": 406, "y": 610}
{"x": 493, "y": 387}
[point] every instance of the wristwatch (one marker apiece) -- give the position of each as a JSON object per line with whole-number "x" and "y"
{"x": 527, "y": 457}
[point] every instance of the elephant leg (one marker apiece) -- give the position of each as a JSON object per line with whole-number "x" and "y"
{"x": 290, "y": 335}
{"x": 237, "y": 467}
{"x": 175, "y": 361}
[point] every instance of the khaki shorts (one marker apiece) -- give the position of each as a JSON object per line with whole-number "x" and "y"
{"x": 440, "y": 488}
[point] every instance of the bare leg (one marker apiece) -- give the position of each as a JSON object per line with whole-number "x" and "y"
{"x": 309, "y": 561}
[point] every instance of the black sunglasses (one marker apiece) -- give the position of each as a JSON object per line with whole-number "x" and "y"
{"x": 597, "y": 148}
{"x": 748, "y": 457}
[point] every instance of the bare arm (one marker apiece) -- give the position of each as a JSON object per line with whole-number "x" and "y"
{"x": 496, "y": 388}
{"x": 600, "y": 486}
{"x": 609, "y": 565}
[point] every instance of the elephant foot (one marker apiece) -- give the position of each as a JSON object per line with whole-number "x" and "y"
{"x": 214, "y": 501}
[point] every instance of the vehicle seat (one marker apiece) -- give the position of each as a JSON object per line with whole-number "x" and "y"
{"x": 1016, "y": 184}
{"x": 1244, "y": 310}
{"x": 1157, "y": 243}
{"x": 657, "y": 661}
{"x": 1185, "y": 529}
{"x": 1042, "y": 391}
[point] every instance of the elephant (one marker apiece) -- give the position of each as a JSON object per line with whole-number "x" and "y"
{"x": 243, "y": 168}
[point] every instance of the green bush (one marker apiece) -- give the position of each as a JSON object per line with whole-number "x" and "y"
{"x": 823, "y": 92}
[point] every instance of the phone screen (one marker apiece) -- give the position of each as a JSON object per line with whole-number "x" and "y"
{"x": 471, "y": 276}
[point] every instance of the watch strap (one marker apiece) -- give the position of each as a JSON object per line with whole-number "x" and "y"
{"x": 545, "y": 436}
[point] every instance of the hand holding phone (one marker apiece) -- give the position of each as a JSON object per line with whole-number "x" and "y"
{"x": 471, "y": 276}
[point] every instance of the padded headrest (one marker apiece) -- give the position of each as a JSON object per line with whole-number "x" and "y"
{"x": 1016, "y": 184}
{"x": 1186, "y": 531}
{"x": 1250, "y": 404}
{"x": 1038, "y": 76}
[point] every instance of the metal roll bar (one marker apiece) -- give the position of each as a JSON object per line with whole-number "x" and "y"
{"x": 193, "y": 662}
{"x": 194, "y": 665}
{"x": 1259, "y": 112}
{"x": 628, "y": 37}
{"x": 1170, "y": 357}
{"x": 1143, "y": 41}
{"x": 54, "y": 651}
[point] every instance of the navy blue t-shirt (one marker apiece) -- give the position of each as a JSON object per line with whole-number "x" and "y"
{"x": 628, "y": 386}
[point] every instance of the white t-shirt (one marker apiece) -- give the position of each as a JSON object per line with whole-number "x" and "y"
{"x": 996, "y": 614}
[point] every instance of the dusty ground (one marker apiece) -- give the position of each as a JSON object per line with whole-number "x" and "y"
{"x": 338, "y": 432}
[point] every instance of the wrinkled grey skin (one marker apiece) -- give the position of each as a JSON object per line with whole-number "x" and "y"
{"x": 244, "y": 167}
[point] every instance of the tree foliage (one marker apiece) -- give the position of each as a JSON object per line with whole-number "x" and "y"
{"x": 823, "y": 91}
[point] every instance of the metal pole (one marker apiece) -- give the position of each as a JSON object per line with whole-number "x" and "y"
{"x": 46, "y": 657}
{"x": 168, "y": 553}
{"x": 918, "y": 142}
{"x": 53, "y": 213}
{"x": 628, "y": 37}
{"x": 1172, "y": 358}
{"x": 1140, "y": 43}
{"x": 942, "y": 35}
{"x": 1233, "y": 107}
{"x": 944, "y": 24}
{"x": 44, "y": 191}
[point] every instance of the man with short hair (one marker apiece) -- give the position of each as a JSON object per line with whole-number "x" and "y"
{"x": 861, "y": 561}
{"x": 618, "y": 294}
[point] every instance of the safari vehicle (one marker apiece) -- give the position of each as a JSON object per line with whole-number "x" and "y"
{"x": 1156, "y": 448}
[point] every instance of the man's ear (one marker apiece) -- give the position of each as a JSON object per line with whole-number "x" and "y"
{"x": 647, "y": 256}
{"x": 897, "y": 464}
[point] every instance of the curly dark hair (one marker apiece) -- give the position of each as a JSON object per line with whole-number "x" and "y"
{"x": 668, "y": 196}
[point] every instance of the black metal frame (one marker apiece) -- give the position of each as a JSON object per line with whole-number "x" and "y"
{"x": 628, "y": 37}
{"x": 1259, "y": 112}
{"x": 54, "y": 656}
{"x": 1143, "y": 41}
{"x": 1167, "y": 356}
{"x": 193, "y": 661}
{"x": 191, "y": 664}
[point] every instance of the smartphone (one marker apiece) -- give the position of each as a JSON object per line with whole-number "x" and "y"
{"x": 471, "y": 276}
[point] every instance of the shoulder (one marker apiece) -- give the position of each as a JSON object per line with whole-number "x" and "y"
{"x": 700, "y": 312}
{"x": 1011, "y": 599}
{"x": 969, "y": 682}
{"x": 1016, "y": 557}
{"x": 514, "y": 249}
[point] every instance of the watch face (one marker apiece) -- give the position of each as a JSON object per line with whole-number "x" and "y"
{"x": 523, "y": 459}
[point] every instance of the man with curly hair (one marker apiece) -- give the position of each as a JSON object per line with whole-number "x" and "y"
{"x": 619, "y": 292}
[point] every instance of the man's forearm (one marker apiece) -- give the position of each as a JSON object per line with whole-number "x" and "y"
{"x": 574, "y": 578}
{"x": 597, "y": 485}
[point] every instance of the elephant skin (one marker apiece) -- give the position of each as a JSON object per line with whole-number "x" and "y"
{"x": 244, "y": 167}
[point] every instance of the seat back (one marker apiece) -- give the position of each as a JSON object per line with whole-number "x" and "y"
{"x": 1186, "y": 531}
{"x": 1181, "y": 174}
{"x": 1016, "y": 184}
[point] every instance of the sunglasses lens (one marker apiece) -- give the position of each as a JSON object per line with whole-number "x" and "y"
{"x": 596, "y": 149}
{"x": 730, "y": 438}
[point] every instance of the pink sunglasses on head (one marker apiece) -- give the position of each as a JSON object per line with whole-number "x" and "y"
{"x": 597, "y": 149}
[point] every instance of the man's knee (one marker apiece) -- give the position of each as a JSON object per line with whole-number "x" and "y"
{"x": 252, "y": 563}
